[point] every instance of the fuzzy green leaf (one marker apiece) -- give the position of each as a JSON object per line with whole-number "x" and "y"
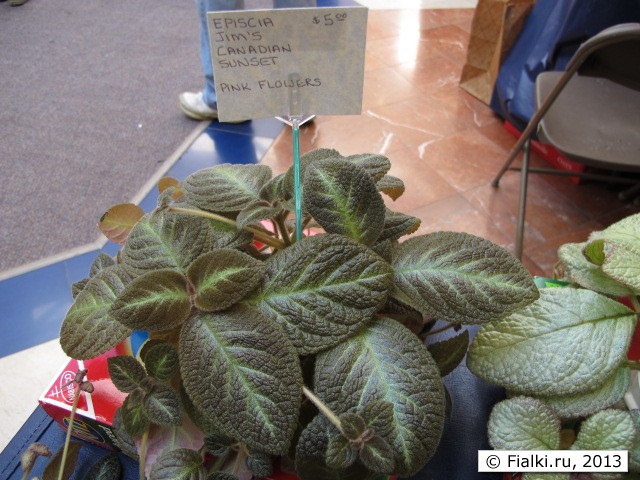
{"x": 256, "y": 212}
{"x": 306, "y": 160}
{"x": 634, "y": 452}
{"x": 228, "y": 236}
{"x": 398, "y": 224}
{"x": 579, "y": 269}
{"x": 340, "y": 453}
{"x": 450, "y": 352}
{"x": 273, "y": 190}
{"x": 167, "y": 240}
{"x": 545, "y": 476}
{"x": 569, "y": 341}
{"x": 587, "y": 403}
{"x": 52, "y": 469}
{"x": 311, "y": 454}
{"x": 374, "y": 164}
{"x": 378, "y": 415}
{"x": 179, "y": 464}
{"x": 226, "y": 188}
{"x": 161, "y": 361}
{"x": 125, "y": 372}
{"x": 377, "y": 455}
{"x": 163, "y": 406}
{"x": 123, "y": 440}
{"x": 606, "y": 430}
{"x": 88, "y": 329}
{"x": 78, "y": 286}
{"x": 218, "y": 443}
{"x": 238, "y": 367}
{"x": 107, "y": 468}
{"x": 134, "y": 416}
{"x": 353, "y": 425}
{"x": 385, "y": 361}
{"x": 223, "y": 277}
{"x": 523, "y": 423}
{"x": 260, "y": 464}
{"x": 392, "y": 186}
{"x": 343, "y": 199}
{"x": 155, "y": 301}
{"x": 460, "y": 278}
{"x": 322, "y": 290}
{"x": 101, "y": 262}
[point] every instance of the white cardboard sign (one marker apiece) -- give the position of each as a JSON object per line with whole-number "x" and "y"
{"x": 287, "y": 62}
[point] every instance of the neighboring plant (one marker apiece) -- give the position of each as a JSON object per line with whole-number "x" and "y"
{"x": 262, "y": 345}
{"x": 564, "y": 357}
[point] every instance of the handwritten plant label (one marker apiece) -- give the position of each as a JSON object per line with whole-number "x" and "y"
{"x": 288, "y": 62}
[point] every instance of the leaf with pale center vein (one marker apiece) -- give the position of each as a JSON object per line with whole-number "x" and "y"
{"x": 322, "y": 290}
{"x": 155, "y": 301}
{"x": 179, "y": 464}
{"x": 226, "y": 187}
{"x": 460, "y": 278}
{"x": 569, "y": 341}
{"x": 239, "y": 368}
{"x": 88, "y": 330}
{"x": 223, "y": 277}
{"x": 386, "y": 362}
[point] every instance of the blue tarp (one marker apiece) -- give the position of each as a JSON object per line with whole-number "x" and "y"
{"x": 551, "y": 35}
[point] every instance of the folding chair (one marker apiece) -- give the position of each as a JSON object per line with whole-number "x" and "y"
{"x": 590, "y": 112}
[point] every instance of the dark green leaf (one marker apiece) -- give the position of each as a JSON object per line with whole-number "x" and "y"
{"x": 374, "y": 164}
{"x": 78, "y": 286}
{"x": 218, "y": 443}
{"x": 52, "y": 470}
{"x": 134, "y": 416}
{"x": 406, "y": 315}
{"x": 107, "y": 468}
{"x": 449, "y": 353}
{"x": 123, "y": 440}
{"x": 228, "y": 236}
{"x": 311, "y": 453}
{"x": 353, "y": 425}
{"x": 226, "y": 188}
{"x": 155, "y": 301}
{"x": 256, "y": 212}
{"x": 161, "y": 361}
{"x": 239, "y": 368}
{"x": 223, "y": 277}
{"x": 206, "y": 424}
{"x": 101, "y": 262}
{"x": 398, "y": 224}
{"x": 460, "y": 278}
{"x": 377, "y": 455}
{"x": 340, "y": 453}
{"x": 322, "y": 290}
{"x": 392, "y": 186}
{"x": 385, "y": 361}
{"x": 274, "y": 189}
{"x": 126, "y": 372}
{"x": 88, "y": 330}
{"x": 594, "y": 251}
{"x": 260, "y": 464}
{"x": 221, "y": 476}
{"x": 343, "y": 199}
{"x": 167, "y": 240}
{"x": 378, "y": 416}
{"x": 163, "y": 406}
{"x": 179, "y": 464}
{"x": 306, "y": 160}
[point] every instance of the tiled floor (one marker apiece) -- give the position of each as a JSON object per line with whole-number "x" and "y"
{"x": 447, "y": 146}
{"x": 442, "y": 142}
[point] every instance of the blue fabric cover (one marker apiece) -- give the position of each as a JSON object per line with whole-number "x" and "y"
{"x": 551, "y": 35}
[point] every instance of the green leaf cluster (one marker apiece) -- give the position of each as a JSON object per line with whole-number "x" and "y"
{"x": 246, "y": 321}
{"x": 565, "y": 355}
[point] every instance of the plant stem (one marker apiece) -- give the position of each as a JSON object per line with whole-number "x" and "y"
{"x": 632, "y": 364}
{"x": 322, "y": 407}
{"x": 242, "y": 454}
{"x": 260, "y": 236}
{"x": 635, "y": 303}
{"x": 67, "y": 440}
{"x": 219, "y": 463}
{"x": 143, "y": 453}
{"x": 283, "y": 230}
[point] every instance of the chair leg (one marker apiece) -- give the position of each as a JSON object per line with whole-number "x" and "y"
{"x": 524, "y": 176}
{"x": 512, "y": 156}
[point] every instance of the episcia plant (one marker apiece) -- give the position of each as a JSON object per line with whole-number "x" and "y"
{"x": 563, "y": 359}
{"x": 263, "y": 345}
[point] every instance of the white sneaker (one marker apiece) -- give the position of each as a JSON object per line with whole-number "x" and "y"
{"x": 194, "y": 106}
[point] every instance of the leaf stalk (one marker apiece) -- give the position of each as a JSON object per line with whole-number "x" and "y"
{"x": 326, "y": 411}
